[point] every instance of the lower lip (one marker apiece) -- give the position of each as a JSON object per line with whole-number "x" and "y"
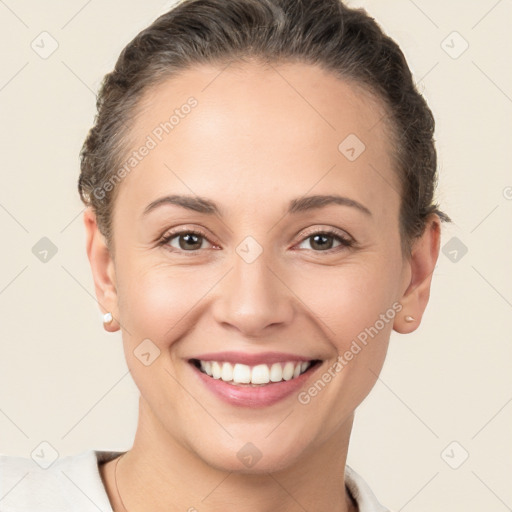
{"x": 254, "y": 396}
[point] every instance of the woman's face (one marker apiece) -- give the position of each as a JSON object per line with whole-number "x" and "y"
{"x": 260, "y": 284}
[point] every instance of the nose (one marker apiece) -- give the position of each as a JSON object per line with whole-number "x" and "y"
{"x": 253, "y": 298}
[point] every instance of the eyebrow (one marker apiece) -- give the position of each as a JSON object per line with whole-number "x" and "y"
{"x": 301, "y": 204}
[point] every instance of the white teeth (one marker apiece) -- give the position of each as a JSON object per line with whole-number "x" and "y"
{"x": 207, "y": 367}
{"x": 276, "y": 372}
{"x": 260, "y": 374}
{"x": 216, "y": 370}
{"x": 227, "y": 372}
{"x": 241, "y": 373}
{"x": 288, "y": 371}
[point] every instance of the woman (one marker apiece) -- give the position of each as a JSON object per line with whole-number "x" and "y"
{"x": 260, "y": 216}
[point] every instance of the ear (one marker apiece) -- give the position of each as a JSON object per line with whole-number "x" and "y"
{"x": 422, "y": 263}
{"x": 103, "y": 271}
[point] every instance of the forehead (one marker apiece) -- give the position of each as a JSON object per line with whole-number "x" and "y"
{"x": 255, "y": 130}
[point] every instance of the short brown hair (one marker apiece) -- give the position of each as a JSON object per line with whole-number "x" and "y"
{"x": 343, "y": 40}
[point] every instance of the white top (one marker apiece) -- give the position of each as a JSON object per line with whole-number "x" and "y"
{"x": 73, "y": 483}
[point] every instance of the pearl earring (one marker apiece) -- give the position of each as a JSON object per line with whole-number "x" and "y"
{"x": 409, "y": 318}
{"x": 107, "y": 318}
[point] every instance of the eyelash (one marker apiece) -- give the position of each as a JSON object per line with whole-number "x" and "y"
{"x": 345, "y": 242}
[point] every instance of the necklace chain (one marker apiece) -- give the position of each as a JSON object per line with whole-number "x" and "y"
{"x": 115, "y": 480}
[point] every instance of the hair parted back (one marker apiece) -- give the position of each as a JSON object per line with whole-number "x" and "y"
{"x": 343, "y": 40}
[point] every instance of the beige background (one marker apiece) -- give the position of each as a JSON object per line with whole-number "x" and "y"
{"x": 63, "y": 379}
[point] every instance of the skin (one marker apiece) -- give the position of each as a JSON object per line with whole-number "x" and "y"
{"x": 253, "y": 141}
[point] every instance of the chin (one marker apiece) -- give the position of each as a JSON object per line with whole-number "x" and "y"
{"x": 258, "y": 457}
{"x": 266, "y": 464}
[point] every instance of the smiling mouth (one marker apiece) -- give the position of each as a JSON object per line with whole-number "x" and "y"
{"x": 258, "y": 375}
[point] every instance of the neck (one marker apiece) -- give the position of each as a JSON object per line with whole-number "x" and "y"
{"x": 158, "y": 473}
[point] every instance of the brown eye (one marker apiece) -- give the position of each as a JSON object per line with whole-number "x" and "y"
{"x": 190, "y": 241}
{"x": 323, "y": 241}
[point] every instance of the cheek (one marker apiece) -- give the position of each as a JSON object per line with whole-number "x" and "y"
{"x": 349, "y": 299}
{"x": 156, "y": 301}
{"x": 354, "y": 306}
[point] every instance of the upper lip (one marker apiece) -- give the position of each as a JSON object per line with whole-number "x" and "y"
{"x": 251, "y": 359}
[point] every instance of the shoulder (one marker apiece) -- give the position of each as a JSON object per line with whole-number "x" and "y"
{"x": 67, "y": 483}
{"x": 361, "y": 492}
